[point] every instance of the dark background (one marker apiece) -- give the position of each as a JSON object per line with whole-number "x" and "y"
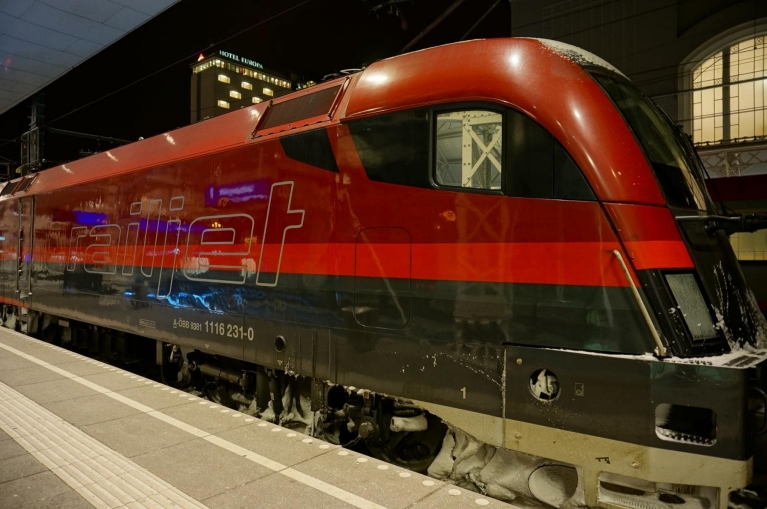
{"x": 148, "y": 71}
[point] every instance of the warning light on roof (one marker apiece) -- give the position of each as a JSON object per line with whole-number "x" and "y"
{"x": 200, "y": 58}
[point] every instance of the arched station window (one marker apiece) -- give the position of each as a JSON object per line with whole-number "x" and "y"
{"x": 724, "y": 107}
{"x": 729, "y": 95}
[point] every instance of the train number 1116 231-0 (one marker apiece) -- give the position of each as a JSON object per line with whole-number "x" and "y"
{"x": 229, "y": 330}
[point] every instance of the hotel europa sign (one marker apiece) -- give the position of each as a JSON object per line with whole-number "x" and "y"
{"x": 237, "y": 58}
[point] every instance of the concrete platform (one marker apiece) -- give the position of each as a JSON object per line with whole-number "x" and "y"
{"x": 75, "y": 432}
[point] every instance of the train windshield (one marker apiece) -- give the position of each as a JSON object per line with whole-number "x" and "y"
{"x": 676, "y": 173}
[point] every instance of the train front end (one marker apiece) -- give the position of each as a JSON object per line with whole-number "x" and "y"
{"x": 707, "y": 392}
{"x": 647, "y": 377}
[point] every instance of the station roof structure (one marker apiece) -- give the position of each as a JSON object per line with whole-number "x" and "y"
{"x": 40, "y": 40}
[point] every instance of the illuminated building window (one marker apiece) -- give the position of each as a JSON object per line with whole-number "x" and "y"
{"x": 223, "y": 104}
{"x": 729, "y": 94}
{"x": 247, "y": 86}
{"x": 750, "y": 246}
{"x": 268, "y": 91}
{"x": 224, "y": 78}
{"x": 257, "y": 100}
{"x": 235, "y": 94}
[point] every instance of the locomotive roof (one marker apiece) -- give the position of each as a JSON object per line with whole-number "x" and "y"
{"x": 545, "y": 80}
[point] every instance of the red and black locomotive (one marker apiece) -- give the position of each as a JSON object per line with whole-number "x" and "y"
{"x": 504, "y": 235}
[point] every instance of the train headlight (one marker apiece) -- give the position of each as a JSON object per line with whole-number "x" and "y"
{"x": 690, "y": 302}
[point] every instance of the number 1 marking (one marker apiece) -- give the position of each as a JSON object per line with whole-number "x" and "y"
{"x": 463, "y": 390}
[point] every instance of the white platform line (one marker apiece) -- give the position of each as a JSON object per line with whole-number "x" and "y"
{"x": 307, "y": 480}
{"x": 101, "y": 475}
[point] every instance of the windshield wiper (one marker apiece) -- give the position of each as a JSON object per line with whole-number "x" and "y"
{"x": 738, "y": 223}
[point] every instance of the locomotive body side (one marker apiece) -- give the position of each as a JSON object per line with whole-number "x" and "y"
{"x": 288, "y": 250}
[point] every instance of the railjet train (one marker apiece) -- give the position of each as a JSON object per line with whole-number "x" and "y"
{"x": 501, "y": 239}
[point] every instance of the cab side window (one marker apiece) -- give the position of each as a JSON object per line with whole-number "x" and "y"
{"x": 569, "y": 182}
{"x": 393, "y": 148}
{"x": 469, "y": 149}
{"x": 531, "y": 159}
{"x": 539, "y": 167}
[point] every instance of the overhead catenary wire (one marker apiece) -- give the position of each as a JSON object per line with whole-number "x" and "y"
{"x": 480, "y": 20}
{"x": 433, "y": 24}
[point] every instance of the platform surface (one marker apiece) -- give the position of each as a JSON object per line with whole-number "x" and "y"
{"x": 78, "y": 433}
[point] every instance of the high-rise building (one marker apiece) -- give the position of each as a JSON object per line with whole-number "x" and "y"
{"x": 224, "y": 81}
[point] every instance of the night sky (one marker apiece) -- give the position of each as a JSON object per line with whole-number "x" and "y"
{"x": 315, "y": 38}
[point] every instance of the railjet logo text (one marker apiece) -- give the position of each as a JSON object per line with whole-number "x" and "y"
{"x": 203, "y": 257}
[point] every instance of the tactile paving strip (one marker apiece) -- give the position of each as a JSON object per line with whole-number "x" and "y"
{"x": 102, "y": 476}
